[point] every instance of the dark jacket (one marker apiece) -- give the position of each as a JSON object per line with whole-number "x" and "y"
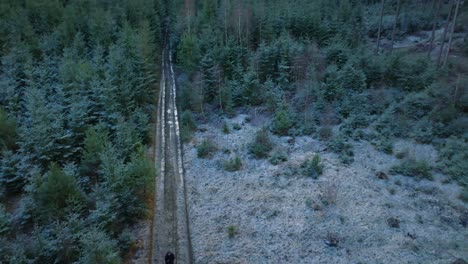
{"x": 169, "y": 258}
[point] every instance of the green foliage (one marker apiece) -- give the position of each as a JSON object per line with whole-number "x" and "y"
{"x": 247, "y": 90}
{"x": 100, "y": 63}
{"x": 95, "y": 140}
{"x": 399, "y": 119}
{"x": 188, "y": 52}
{"x": 98, "y": 247}
{"x": 356, "y": 121}
{"x": 78, "y": 89}
{"x": 127, "y": 240}
{"x": 7, "y": 131}
{"x": 337, "y": 53}
{"x": 274, "y": 95}
{"x": 127, "y": 139}
{"x": 188, "y": 126}
{"x": 11, "y": 180}
{"x": 57, "y": 191}
{"x": 464, "y": 194}
{"x": 408, "y": 72}
{"x": 353, "y": 77}
{"x": 465, "y": 46}
{"x": 278, "y": 157}
{"x": 262, "y": 145}
{"x": 233, "y": 164}
{"x": 312, "y": 167}
{"x": 130, "y": 182}
{"x": 414, "y": 168}
{"x": 208, "y": 12}
{"x": 142, "y": 172}
{"x": 226, "y": 101}
{"x": 206, "y": 149}
{"x": 283, "y": 121}
{"x": 344, "y": 149}
{"x": 232, "y": 231}
{"x": 385, "y": 145}
{"x": 333, "y": 85}
{"x": 226, "y": 129}
{"x": 188, "y": 120}
{"x": 4, "y": 221}
{"x": 275, "y": 59}
{"x": 325, "y": 133}
{"x": 452, "y": 159}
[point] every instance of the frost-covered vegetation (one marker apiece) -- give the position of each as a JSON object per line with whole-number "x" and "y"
{"x": 77, "y": 85}
{"x": 316, "y": 69}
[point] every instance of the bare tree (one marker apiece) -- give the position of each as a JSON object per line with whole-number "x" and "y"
{"x": 444, "y": 36}
{"x": 239, "y": 12}
{"x": 189, "y": 10}
{"x": 451, "y": 33}
{"x": 380, "y": 25}
{"x": 225, "y": 6}
{"x": 396, "y": 22}
{"x": 261, "y": 16}
{"x": 434, "y": 25}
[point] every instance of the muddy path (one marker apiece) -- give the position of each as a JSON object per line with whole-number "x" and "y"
{"x": 170, "y": 231}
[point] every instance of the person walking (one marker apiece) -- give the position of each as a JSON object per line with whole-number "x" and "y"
{"x": 169, "y": 258}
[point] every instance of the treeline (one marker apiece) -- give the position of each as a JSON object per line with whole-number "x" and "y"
{"x": 314, "y": 67}
{"x": 77, "y": 88}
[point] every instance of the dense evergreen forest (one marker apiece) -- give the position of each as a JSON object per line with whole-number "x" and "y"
{"x": 77, "y": 95}
{"x": 79, "y": 82}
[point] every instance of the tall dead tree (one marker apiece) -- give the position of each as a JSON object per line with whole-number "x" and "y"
{"x": 380, "y": 26}
{"x": 239, "y": 14}
{"x": 226, "y": 7}
{"x": 261, "y": 13}
{"x": 444, "y": 36}
{"x": 189, "y": 13}
{"x": 454, "y": 22}
{"x": 435, "y": 17}
{"x": 396, "y": 22}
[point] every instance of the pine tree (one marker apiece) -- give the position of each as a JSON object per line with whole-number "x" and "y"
{"x": 283, "y": 120}
{"x": 57, "y": 191}
{"x": 95, "y": 140}
{"x": 10, "y": 180}
{"x": 188, "y": 53}
{"x": 42, "y": 134}
{"x": 8, "y": 133}
{"x": 209, "y": 70}
{"x": 98, "y": 247}
{"x": 382, "y": 6}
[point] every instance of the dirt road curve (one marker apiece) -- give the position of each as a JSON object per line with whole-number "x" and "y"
{"x": 170, "y": 224}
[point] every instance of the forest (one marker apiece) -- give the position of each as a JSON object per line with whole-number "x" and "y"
{"x": 79, "y": 82}
{"x": 333, "y": 70}
{"x": 77, "y": 86}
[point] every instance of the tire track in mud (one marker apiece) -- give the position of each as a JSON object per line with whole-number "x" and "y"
{"x": 170, "y": 230}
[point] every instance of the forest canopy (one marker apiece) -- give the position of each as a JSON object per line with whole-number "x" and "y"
{"x": 79, "y": 81}
{"x": 77, "y": 96}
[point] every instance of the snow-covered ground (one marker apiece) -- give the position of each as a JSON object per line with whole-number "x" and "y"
{"x": 279, "y": 217}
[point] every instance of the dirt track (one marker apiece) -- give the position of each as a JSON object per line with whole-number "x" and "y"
{"x": 170, "y": 224}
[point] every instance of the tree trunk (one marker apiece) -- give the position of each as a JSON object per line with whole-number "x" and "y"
{"x": 434, "y": 25}
{"x": 380, "y": 26}
{"x": 261, "y": 20}
{"x": 239, "y": 25}
{"x": 396, "y": 22}
{"x": 447, "y": 22}
{"x": 451, "y": 33}
{"x": 226, "y": 3}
